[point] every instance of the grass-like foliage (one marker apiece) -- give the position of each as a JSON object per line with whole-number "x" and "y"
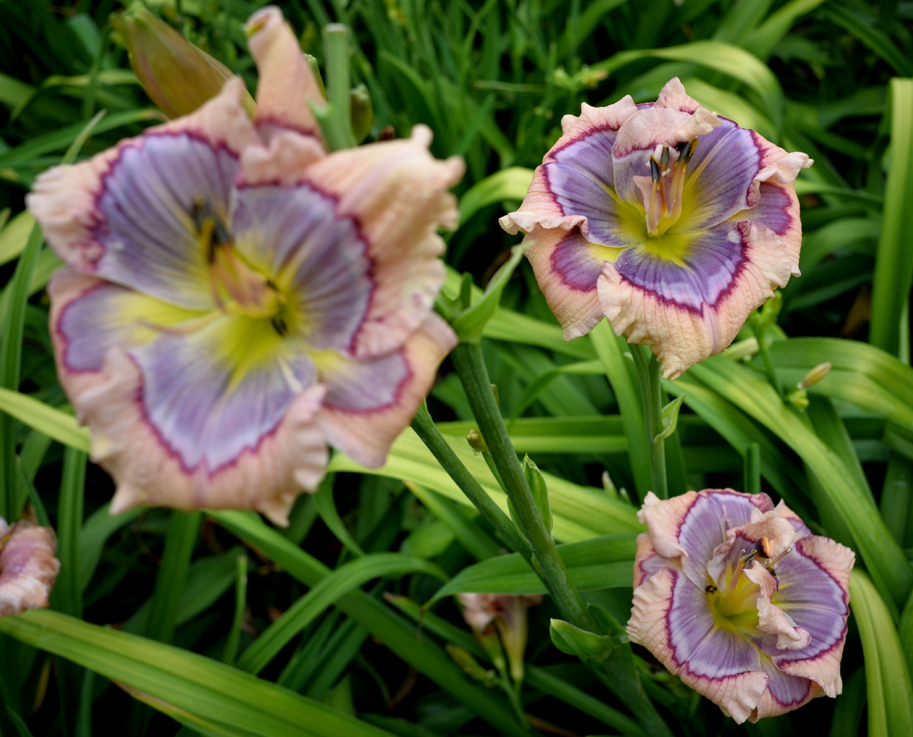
{"x": 168, "y": 622}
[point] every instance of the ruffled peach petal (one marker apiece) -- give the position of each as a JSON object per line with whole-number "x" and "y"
{"x": 647, "y": 561}
{"x": 282, "y": 161}
{"x": 736, "y": 690}
{"x": 663, "y": 519}
{"x": 680, "y": 327}
{"x": 397, "y": 192}
{"x": 268, "y": 478}
{"x": 370, "y": 402}
{"x": 772, "y": 198}
{"x": 567, "y": 268}
{"x": 28, "y": 567}
{"x": 784, "y": 693}
{"x": 286, "y": 84}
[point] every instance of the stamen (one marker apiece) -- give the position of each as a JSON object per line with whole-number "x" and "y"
{"x": 774, "y": 561}
{"x": 665, "y": 206}
{"x": 737, "y": 573}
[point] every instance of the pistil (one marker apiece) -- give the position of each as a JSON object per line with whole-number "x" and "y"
{"x": 237, "y": 288}
{"x": 668, "y": 174}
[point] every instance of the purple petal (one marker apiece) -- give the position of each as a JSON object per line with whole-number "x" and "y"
{"x": 199, "y": 406}
{"x": 146, "y": 224}
{"x": 698, "y": 643}
{"x": 719, "y": 176}
{"x": 577, "y": 192}
{"x": 813, "y": 599}
{"x": 704, "y": 527}
{"x": 711, "y": 265}
{"x": 321, "y": 258}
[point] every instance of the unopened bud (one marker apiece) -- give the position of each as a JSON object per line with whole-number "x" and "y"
{"x": 608, "y": 486}
{"x": 798, "y": 398}
{"x": 476, "y": 442}
{"x": 815, "y": 375}
{"x": 176, "y": 75}
{"x": 362, "y": 112}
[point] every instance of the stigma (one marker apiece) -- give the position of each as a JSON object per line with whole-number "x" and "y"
{"x": 668, "y": 174}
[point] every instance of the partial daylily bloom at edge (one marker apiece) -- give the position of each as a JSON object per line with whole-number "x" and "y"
{"x": 740, "y": 600}
{"x": 508, "y": 613}
{"x": 236, "y": 298}
{"x": 28, "y": 567}
{"x": 667, "y": 219}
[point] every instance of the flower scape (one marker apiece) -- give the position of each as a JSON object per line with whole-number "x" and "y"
{"x": 236, "y": 298}
{"x": 738, "y": 598}
{"x": 669, "y": 220}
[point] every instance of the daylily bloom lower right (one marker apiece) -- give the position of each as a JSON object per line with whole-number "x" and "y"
{"x": 667, "y": 219}
{"x": 741, "y": 601}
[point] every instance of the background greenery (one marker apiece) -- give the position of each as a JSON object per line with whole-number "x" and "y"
{"x": 327, "y": 608}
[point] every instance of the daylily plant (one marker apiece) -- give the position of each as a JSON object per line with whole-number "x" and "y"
{"x": 669, "y": 220}
{"x": 28, "y": 568}
{"x": 741, "y": 601}
{"x": 236, "y": 297}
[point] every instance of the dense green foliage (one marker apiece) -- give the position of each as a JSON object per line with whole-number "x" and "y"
{"x": 328, "y": 608}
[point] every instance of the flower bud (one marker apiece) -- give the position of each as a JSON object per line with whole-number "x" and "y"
{"x": 176, "y": 75}
{"x": 476, "y": 441}
{"x": 28, "y": 567}
{"x": 362, "y": 112}
{"x": 815, "y": 375}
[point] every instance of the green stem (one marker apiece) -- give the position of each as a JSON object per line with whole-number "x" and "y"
{"x": 769, "y": 367}
{"x": 433, "y": 439}
{"x": 336, "y": 118}
{"x": 470, "y": 366}
{"x": 650, "y": 374}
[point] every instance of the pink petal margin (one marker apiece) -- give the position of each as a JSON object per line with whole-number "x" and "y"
{"x": 267, "y": 478}
{"x": 397, "y": 192}
{"x": 366, "y": 435}
{"x": 680, "y": 337}
{"x": 286, "y": 83}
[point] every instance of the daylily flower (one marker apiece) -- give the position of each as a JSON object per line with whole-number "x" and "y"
{"x": 739, "y": 599}
{"x": 672, "y": 222}
{"x": 508, "y": 613}
{"x": 236, "y": 297}
{"x": 28, "y": 567}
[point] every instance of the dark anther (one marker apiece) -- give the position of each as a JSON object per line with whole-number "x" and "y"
{"x": 654, "y": 170}
{"x": 209, "y": 225}
{"x": 686, "y": 157}
{"x": 710, "y": 589}
{"x": 280, "y": 326}
{"x": 664, "y": 159}
{"x": 682, "y": 148}
{"x": 387, "y": 134}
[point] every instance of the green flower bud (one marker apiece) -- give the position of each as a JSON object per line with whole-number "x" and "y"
{"x": 362, "y": 112}
{"x": 176, "y": 75}
{"x": 815, "y": 375}
{"x": 476, "y": 441}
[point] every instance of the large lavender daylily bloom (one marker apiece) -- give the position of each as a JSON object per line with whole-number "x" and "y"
{"x": 236, "y": 298}
{"x": 739, "y": 599}
{"x": 672, "y": 222}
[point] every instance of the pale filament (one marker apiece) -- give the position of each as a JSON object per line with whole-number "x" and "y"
{"x": 668, "y": 174}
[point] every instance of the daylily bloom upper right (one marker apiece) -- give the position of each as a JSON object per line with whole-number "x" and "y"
{"x": 669, "y": 220}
